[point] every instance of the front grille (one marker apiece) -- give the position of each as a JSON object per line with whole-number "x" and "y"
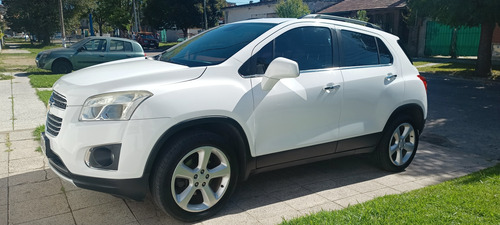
{"x": 58, "y": 100}
{"x": 53, "y": 124}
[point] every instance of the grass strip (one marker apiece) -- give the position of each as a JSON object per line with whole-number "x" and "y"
{"x": 37, "y": 133}
{"x": 472, "y": 199}
{"x": 44, "y": 96}
{"x": 43, "y": 81}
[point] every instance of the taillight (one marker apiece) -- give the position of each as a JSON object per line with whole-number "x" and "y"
{"x": 423, "y": 80}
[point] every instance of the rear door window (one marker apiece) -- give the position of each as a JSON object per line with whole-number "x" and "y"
{"x": 363, "y": 50}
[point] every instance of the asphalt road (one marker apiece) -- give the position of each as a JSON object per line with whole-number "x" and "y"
{"x": 152, "y": 52}
{"x": 464, "y": 115}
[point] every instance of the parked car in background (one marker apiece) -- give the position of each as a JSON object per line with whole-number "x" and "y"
{"x": 87, "y": 52}
{"x": 147, "y": 40}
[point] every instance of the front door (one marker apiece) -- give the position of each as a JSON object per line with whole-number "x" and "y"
{"x": 297, "y": 112}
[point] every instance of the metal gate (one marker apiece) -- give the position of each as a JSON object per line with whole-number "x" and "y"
{"x": 438, "y": 40}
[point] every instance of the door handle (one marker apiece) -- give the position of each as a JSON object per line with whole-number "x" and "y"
{"x": 101, "y": 55}
{"x": 391, "y": 76}
{"x": 331, "y": 87}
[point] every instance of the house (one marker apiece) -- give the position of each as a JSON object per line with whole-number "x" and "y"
{"x": 385, "y": 13}
{"x": 266, "y": 9}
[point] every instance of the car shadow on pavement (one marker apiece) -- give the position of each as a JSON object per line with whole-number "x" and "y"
{"x": 267, "y": 198}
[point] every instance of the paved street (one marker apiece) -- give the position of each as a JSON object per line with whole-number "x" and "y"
{"x": 464, "y": 115}
{"x": 30, "y": 193}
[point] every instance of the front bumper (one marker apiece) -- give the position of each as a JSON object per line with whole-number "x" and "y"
{"x": 130, "y": 188}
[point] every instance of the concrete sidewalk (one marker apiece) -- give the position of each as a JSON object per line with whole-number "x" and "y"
{"x": 30, "y": 193}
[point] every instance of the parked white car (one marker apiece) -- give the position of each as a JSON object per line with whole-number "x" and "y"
{"x": 236, "y": 100}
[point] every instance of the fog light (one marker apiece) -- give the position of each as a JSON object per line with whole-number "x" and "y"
{"x": 103, "y": 157}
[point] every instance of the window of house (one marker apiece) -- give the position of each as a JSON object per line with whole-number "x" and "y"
{"x": 310, "y": 47}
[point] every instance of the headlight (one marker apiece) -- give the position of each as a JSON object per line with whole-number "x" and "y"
{"x": 112, "y": 106}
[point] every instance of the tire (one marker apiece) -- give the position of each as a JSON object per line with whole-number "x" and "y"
{"x": 190, "y": 189}
{"x": 61, "y": 66}
{"x": 398, "y": 145}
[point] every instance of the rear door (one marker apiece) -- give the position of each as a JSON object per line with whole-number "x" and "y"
{"x": 373, "y": 86}
{"x": 119, "y": 49}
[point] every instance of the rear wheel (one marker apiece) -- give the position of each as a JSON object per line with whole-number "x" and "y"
{"x": 61, "y": 66}
{"x": 195, "y": 177}
{"x": 398, "y": 145}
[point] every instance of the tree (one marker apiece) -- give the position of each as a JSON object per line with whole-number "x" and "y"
{"x": 456, "y": 13}
{"x": 291, "y": 9}
{"x": 182, "y": 14}
{"x": 40, "y": 17}
{"x": 361, "y": 15}
{"x": 115, "y": 13}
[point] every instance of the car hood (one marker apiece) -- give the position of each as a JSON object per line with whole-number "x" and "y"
{"x": 58, "y": 50}
{"x": 122, "y": 75}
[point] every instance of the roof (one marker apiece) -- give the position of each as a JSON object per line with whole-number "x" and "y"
{"x": 271, "y": 2}
{"x": 355, "y": 5}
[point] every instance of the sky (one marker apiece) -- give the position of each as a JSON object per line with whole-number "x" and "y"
{"x": 239, "y": 2}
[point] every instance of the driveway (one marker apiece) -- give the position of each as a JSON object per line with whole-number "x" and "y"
{"x": 30, "y": 193}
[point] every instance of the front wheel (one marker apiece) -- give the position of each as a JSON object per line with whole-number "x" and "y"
{"x": 61, "y": 66}
{"x": 195, "y": 177}
{"x": 398, "y": 145}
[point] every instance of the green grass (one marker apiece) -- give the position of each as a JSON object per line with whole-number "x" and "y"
{"x": 455, "y": 69}
{"x": 473, "y": 199}
{"x": 38, "y": 132}
{"x": 6, "y": 77}
{"x": 44, "y": 81}
{"x": 165, "y": 46}
{"x": 44, "y": 96}
{"x": 420, "y": 63}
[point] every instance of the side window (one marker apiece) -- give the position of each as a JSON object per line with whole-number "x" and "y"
{"x": 115, "y": 46}
{"x": 120, "y": 46}
{"x": 97, "y": 45}
{"x": 310, "y": 47}
{"x": 385, "y": 54}
{"x": 358, "y": 49}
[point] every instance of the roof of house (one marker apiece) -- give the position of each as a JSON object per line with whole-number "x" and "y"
{"x": 355, "y": 5}
{"x": 267, "y": 2}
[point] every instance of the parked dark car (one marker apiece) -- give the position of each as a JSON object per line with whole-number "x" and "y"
{"x": 147, "y": 40}
{"x": 87, "y": 52}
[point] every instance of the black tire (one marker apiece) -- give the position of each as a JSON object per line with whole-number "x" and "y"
{"x": 61, "y": 66}
{"x": 171, "y": 178}
{"x": 393, "y": 152}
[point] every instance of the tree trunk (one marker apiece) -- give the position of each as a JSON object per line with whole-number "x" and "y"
{"x": 185, "y": 31}
{"x": 100, "y": 29}
{"x": 483, "y": 66}
{"x": 453, "y": 46}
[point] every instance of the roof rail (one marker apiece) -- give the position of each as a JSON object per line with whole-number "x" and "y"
{"x": 342, "y": 19}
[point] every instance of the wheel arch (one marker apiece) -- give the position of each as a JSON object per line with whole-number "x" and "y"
{"x": 61, "y": 59}
{"x": 414, "y": 111}
{"x": 224, "y": 126}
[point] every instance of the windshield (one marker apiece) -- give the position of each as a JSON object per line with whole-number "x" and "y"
{"x": 147, "y": 36}
{"x": 215, "y": 46}
{"x": 78, "y": 44}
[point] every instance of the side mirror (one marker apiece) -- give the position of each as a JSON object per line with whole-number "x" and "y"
{"x": 80, "y": 49}
{"x": 278, "y": 69}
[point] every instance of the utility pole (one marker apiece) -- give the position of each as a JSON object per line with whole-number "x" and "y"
{"x": 205, "y": 13}
{"x": 136, "y": 20}
{"x": 63, "y": 35}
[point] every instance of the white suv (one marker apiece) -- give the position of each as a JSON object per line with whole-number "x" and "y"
{"x": 236, "y": 100}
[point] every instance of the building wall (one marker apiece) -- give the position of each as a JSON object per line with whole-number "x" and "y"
{"x": 245, "y": 12}
{"x": 496, "y": 35}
